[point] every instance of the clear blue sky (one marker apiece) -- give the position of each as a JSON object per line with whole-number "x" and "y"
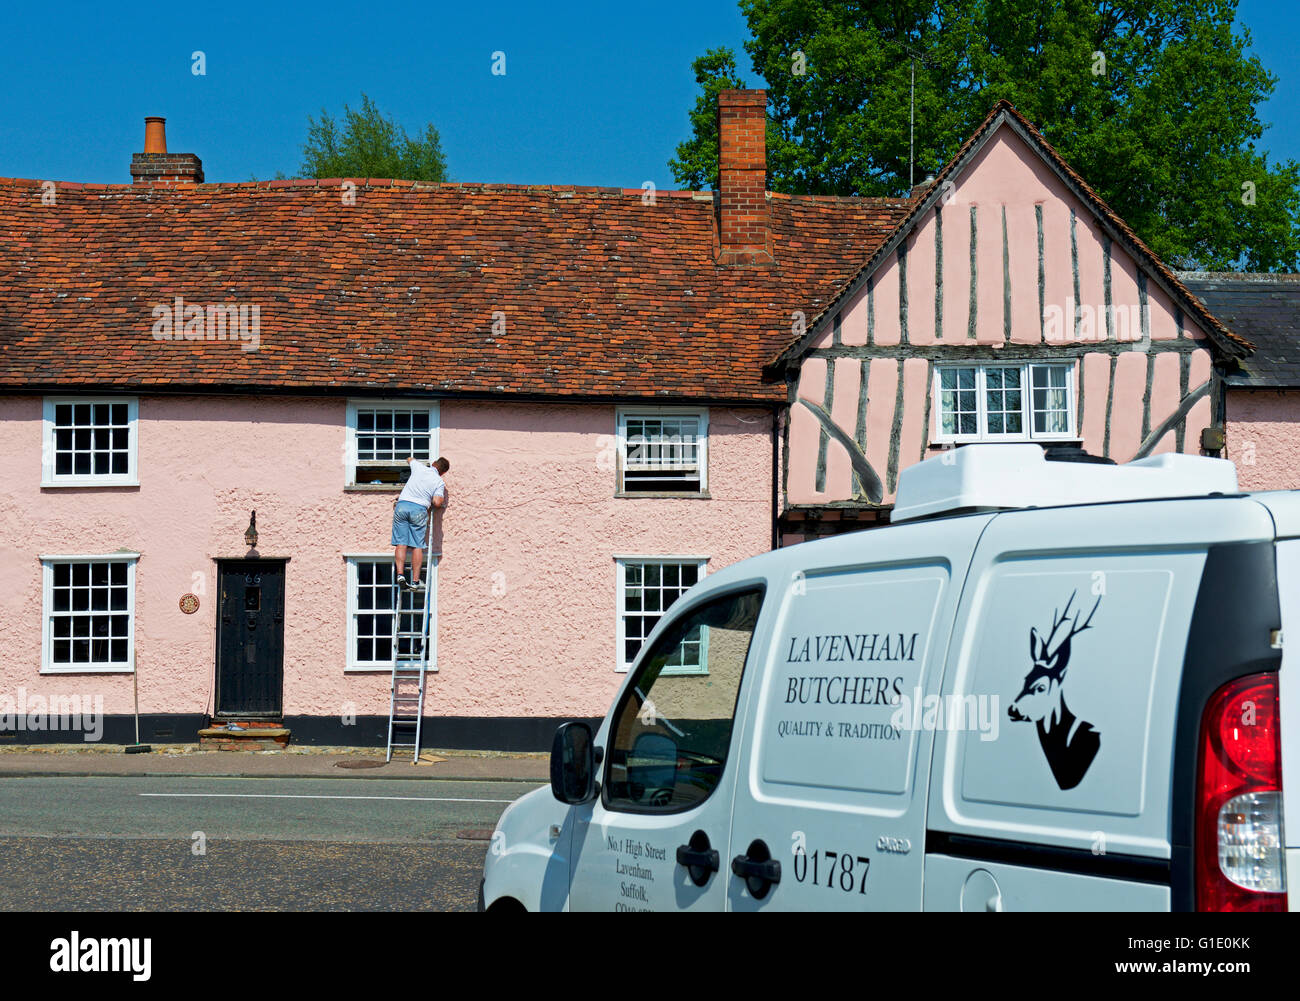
{"x": 594, "y": 93}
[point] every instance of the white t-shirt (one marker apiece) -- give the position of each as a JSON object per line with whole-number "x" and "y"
{"x": 424, "y": 485}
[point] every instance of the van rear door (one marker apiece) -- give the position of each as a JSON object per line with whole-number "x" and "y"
{"x": 1075, "y": 623}
{"x": 831, "y": 795}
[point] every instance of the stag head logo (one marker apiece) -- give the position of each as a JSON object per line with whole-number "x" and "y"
{"x": 1069, "y": 743}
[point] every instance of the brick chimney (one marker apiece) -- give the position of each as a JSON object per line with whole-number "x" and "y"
{"x": 742, "y": 177}
{"x": 156, "y": 166}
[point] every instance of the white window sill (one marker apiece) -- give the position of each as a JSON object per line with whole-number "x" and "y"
{"x": 1009, "y": 440}
{"x": 87, "y": 670}
{"x": 90, "y": 481}
{"x": 382, "y": 669}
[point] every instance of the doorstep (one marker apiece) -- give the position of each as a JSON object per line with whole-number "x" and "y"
{"x": 256, "y": 735}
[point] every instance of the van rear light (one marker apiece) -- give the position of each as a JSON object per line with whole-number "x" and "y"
{"x": 1239, "y": 843}
{"x": 1250, "y": 843}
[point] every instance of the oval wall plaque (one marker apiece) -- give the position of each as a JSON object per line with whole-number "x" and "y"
{"x": 189, "y": 603}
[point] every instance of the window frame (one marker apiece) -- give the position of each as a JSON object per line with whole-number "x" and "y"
{"x": 50, "y": 478}
{"x": 350, "y": 461}
{"x": 622, "y": 666}
{"x": 982, "y": 434}
{"x": 629, "y": 690}
{"x": 48, "y": 562}
{"x": 623, "y": 414}
{"x": 351, "y": 560}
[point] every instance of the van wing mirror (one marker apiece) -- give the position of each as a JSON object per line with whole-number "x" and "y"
{"x": 573, "y": 764}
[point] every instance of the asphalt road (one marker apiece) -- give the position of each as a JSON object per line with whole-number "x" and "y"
{"x": 221, "y": 844}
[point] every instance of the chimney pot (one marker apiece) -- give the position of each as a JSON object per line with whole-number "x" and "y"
{"x": 156, "y": 166}
{"x": 155, "y": 134}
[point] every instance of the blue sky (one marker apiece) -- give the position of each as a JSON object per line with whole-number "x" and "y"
{"x": 594, "y": 93}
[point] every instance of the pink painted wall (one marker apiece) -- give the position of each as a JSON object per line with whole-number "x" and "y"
{"x": 1007, "y": 175}
{"x": 1262, "y": 438}
{"x": 532, "y": 499}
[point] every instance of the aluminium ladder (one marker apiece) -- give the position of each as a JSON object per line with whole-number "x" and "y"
{"x": 410, "y": 667}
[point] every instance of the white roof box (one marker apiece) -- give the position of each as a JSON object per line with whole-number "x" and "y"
{"x": 985, "y": 477}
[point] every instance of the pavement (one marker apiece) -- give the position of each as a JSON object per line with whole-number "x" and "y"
{"x": 301, "y": 762}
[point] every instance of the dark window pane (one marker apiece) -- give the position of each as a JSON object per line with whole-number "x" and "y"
{"x": 61, "y": 599}
{"x": 62, "y": 628}
{"x": 63, "y": 414}
{"x": 102, "y": 464}
{"x": 667, "y": 760}
{"x": 81, "y": 414}
{"x": 119, "y": 413}
{"x": 365, "y": 649}
{"x": 117, "y": 573}
{"x": 120, "y": 464}
{"x": 118, "y": 651}
{"x": 62, "y": 651}
{"x": 81, "y": 463}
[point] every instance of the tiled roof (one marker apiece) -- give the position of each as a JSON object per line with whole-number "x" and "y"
{"x": 601, "y": 293}
{"x": 1266, "y": 309}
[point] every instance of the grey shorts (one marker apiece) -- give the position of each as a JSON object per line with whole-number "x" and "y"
{"x": 410, "y": 521}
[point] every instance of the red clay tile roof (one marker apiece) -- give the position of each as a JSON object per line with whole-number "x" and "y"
{"x": 602, "y": 294}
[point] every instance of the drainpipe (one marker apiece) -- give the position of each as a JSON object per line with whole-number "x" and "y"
{"x": 776, "y": 473}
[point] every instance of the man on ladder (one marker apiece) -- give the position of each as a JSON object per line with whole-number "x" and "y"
{"x": 424, "y": 489}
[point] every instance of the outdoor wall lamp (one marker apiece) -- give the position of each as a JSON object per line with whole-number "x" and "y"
{"x": 250, "y": 536}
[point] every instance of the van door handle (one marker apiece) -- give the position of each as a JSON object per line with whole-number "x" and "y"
{"x": 699, "y": 858}
{"x": 758, "y": 869}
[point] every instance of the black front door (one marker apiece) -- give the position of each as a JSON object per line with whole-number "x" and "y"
{"x": 250, "y": 637}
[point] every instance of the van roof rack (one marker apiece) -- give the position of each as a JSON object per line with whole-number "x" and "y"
{"x": 998, "y": 477}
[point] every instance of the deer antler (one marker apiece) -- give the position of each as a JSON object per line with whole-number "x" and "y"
{"x": 1057, "y": 621}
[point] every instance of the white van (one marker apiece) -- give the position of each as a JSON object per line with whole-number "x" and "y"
{"x": 1047, "y": 685}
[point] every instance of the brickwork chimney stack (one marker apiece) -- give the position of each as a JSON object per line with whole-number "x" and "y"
{"x": 742, "y": 177}
{"x": 156, "y": 166}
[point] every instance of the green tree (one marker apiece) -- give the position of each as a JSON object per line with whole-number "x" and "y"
{"x": 370, "y": 145}
{"x": 1153, "y": 102}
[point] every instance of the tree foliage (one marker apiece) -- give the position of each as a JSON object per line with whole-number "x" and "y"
{"x": 369, "y": 145}
{"x": 1153, "y": 102}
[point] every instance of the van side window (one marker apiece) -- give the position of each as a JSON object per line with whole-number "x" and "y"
{"x": 670, "y": 736}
